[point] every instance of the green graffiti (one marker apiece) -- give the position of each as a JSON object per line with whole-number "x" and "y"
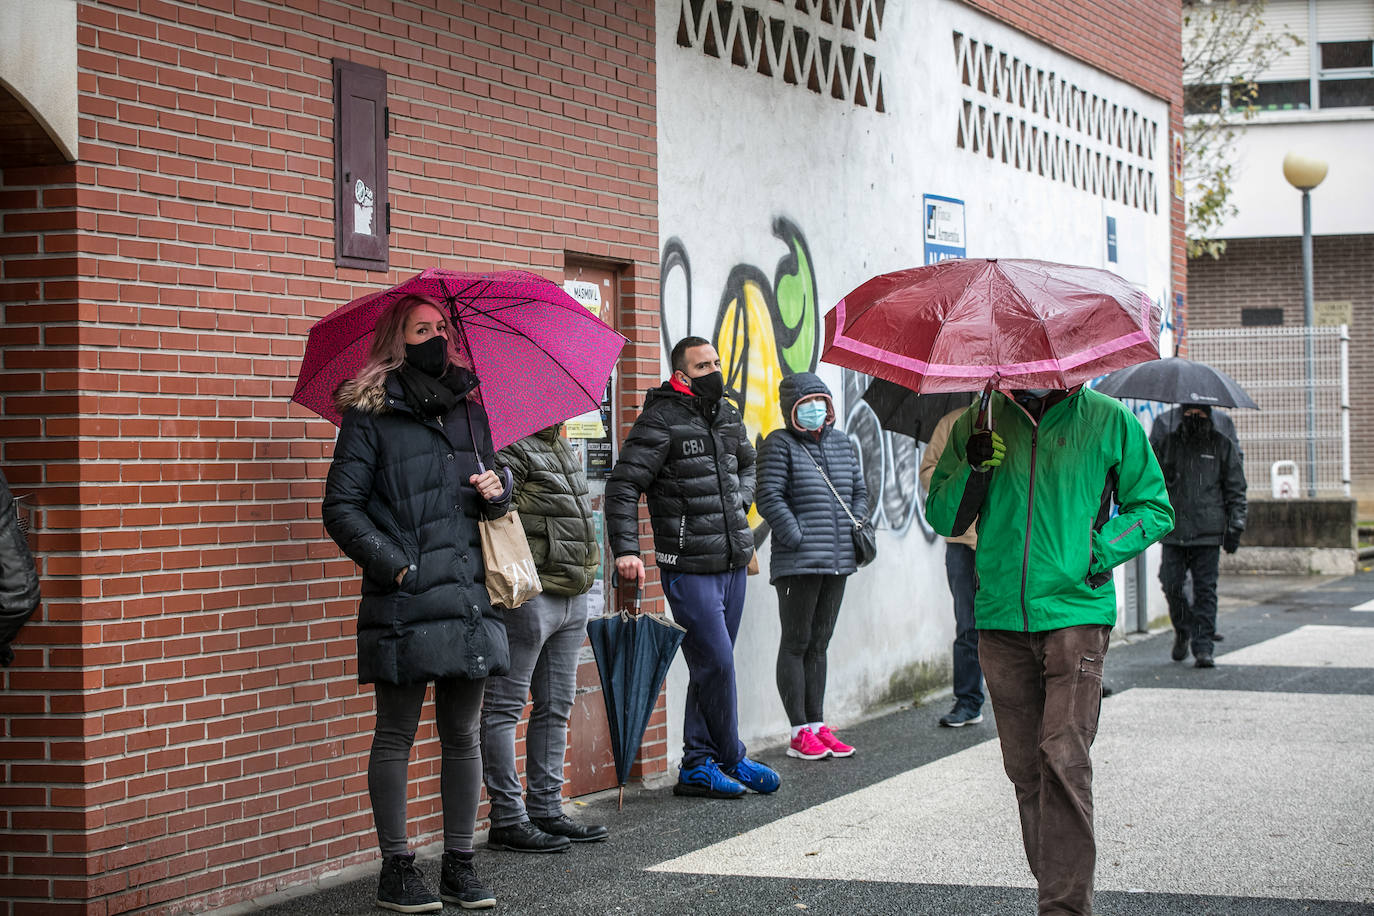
{"x": 794, "y": 285}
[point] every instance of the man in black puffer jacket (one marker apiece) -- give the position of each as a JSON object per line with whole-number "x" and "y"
{"x": 689, "y": 452}
{"x": 1206, "y": 480}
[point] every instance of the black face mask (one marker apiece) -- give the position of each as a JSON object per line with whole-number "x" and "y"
{"x": 710, "y": 386}
{"x": 430, "y": 357}
{"x": 1196, "y": 427}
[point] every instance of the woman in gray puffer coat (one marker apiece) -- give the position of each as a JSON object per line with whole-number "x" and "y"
{"x": 813, "y": 549}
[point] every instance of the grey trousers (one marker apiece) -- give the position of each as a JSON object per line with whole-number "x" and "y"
{"x": 546, "y": 636}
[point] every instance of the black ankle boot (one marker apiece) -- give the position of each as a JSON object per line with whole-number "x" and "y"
{"x": 401, "y": 887}
{"x": 460, "y": 883}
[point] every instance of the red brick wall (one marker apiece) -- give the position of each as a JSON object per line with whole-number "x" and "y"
{"x": 1137, "y": 41}
{"x": 183, "y": 725}
{"x": 1267, "y": 273}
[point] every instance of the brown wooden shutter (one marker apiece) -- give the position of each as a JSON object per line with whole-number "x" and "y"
{"x": 361, "y": 213}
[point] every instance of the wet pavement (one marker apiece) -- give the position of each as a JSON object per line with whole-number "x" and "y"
{"x": 1247, "y": 789}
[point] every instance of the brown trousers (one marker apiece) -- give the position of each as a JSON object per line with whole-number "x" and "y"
{"x": 1046, "y": 692}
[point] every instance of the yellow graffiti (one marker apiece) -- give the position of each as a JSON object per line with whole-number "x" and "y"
{"x": 749, "y": 354}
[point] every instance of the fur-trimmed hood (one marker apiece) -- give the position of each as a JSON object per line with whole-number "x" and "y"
{"x": 387, "y": 395}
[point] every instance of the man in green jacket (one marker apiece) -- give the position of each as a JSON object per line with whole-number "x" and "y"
{"x": 546, "y": 635}
{"x": 1042, "y": 487}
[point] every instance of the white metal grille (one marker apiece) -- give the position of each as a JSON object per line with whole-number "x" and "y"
{"x": 1270, "y": 364}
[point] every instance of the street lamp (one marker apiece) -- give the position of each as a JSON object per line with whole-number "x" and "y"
{"x": 1305, "y": 173}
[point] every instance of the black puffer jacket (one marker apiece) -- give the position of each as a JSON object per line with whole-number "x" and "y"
{"x": 555, "y": 510}
{"x": 1206, "y": 481}
{"x": 398, "y": 497}
{"x": 693, "y": 459}
{"x": 18, "y": 578}
{"x": 811, "y": 533}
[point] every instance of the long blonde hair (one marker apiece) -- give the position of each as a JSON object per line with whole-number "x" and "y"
{"x": 389, "y": 343}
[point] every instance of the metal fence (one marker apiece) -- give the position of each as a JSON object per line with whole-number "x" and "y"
{"x": 1271, "y": 364}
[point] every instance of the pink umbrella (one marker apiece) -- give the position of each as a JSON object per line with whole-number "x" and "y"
{"x": 962, "y": 324}
{"x": 541, "y": 357}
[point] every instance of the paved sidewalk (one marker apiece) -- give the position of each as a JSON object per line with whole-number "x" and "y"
{"x": 1246, "y": 789}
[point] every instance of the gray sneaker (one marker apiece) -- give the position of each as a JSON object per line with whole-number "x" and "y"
{"x": 960, "y": 716}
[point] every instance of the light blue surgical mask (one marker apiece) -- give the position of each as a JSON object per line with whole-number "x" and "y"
{"x": 811, "y": 415}
{"x": 1038, "y": 392}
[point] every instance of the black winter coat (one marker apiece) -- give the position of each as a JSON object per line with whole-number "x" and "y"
{"x": 555, "y": 510}
{"x": 18, "y": 577}
{"x": 694, "y": 460}
{"x": 811, "y": 533}
{"x": 1206, "y": 481}
{"x": 397, "y": 497}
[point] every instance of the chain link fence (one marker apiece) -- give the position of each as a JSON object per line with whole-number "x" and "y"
{"x": 1271, "y": 364}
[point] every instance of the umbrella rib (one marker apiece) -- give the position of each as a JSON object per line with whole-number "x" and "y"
{"x": 596, "y": 400}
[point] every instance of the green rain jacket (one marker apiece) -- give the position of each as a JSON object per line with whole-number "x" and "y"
{"x": 1046, "y": 538}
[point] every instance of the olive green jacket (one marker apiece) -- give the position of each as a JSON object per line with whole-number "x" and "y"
{"x": 555, "y": 510}
{"x": 1047, "y": 539}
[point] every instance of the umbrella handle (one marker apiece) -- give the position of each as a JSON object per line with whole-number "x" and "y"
{"x": 615, "y": 584}
{"x": 984, "y": 421}
{"x": 510, "y": 481}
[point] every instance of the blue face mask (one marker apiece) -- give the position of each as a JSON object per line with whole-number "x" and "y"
{"x": 811, "y": 415}
{"x": 1038, "y": 392}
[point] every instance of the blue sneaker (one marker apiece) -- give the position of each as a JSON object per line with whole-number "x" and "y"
{"x": 705, "y": 780}
{"x": 755, "y": 775}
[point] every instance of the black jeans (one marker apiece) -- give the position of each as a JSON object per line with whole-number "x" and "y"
{"x": 1197, "y": 620}
{"x": 808, "y": 607}
{"x": 968, "y": 675}
{"x": 458, "y": 709}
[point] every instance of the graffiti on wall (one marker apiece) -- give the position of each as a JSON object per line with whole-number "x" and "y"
{"x": 765, "y": 330}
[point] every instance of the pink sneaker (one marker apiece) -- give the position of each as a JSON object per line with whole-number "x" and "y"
{"x": 806, "y": 746}
{"x": 837, "y": 747}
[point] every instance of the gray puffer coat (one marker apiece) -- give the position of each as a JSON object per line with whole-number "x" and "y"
{"x": 397, "y": 497}
{"x": 811, "y": 533}
{"x": 555, "y": 509}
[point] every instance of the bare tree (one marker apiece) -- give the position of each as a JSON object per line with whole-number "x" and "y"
{"x": 1226, "y": 50}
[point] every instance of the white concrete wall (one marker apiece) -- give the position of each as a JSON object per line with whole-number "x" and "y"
{"x": 38, "y": 64}
{"x": 738, "y": 150}
{"x": 1268, "y": 206}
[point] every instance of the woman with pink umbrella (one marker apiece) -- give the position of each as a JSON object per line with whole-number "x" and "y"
{"x": 404, "y": 494}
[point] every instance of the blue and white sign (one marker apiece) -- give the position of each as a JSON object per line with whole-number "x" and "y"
{"x": 1111, "y": 240}
{"x": 944, "y": 228}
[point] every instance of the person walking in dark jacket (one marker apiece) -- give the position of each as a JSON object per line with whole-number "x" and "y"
{"x": 545, "y": 637}
{"x": 403, "y": 496}
{"x": 806, "y": 469}
{"x": 690, "y": 454}
{"x": 18, "y": 576}
{"x": 1206, "y": 479}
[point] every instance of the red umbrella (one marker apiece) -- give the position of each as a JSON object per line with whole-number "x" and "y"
{"x": 958, "y": 324}
{"x": 541, "y": 357}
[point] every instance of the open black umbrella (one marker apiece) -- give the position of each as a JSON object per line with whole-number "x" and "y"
{"x": 901, "y": 410}
{"x": 1176, "y": 381}
{"x": 633, "y": 652}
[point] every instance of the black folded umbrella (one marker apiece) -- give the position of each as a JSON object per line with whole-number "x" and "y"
{"x": 633, "y": 652}
{"x": 1176, "y": 381}
{"x": 901, "y": 410}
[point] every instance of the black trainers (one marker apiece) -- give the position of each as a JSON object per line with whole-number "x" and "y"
{"x": 461, "y": 885}
{"x": 960, "y": 716}
{"x": 1180, "y": 650}
{"x": 401, "y": 887}
{"x": 1204, "y": 661}
{"x": 525, "y": 837}
{"x": 566, "y": 826}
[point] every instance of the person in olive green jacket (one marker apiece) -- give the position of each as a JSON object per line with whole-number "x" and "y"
{"x": 545, "y": 635}
{"x": 1042, "y": 486}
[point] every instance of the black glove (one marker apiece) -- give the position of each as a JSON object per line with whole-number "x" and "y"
{"x": 1231, "y": 540}
{"x": 985, "y": 450}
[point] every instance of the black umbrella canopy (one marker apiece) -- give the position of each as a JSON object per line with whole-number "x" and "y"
{"x": 1176, "y": 381}
{"x": 901, "y": 410}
